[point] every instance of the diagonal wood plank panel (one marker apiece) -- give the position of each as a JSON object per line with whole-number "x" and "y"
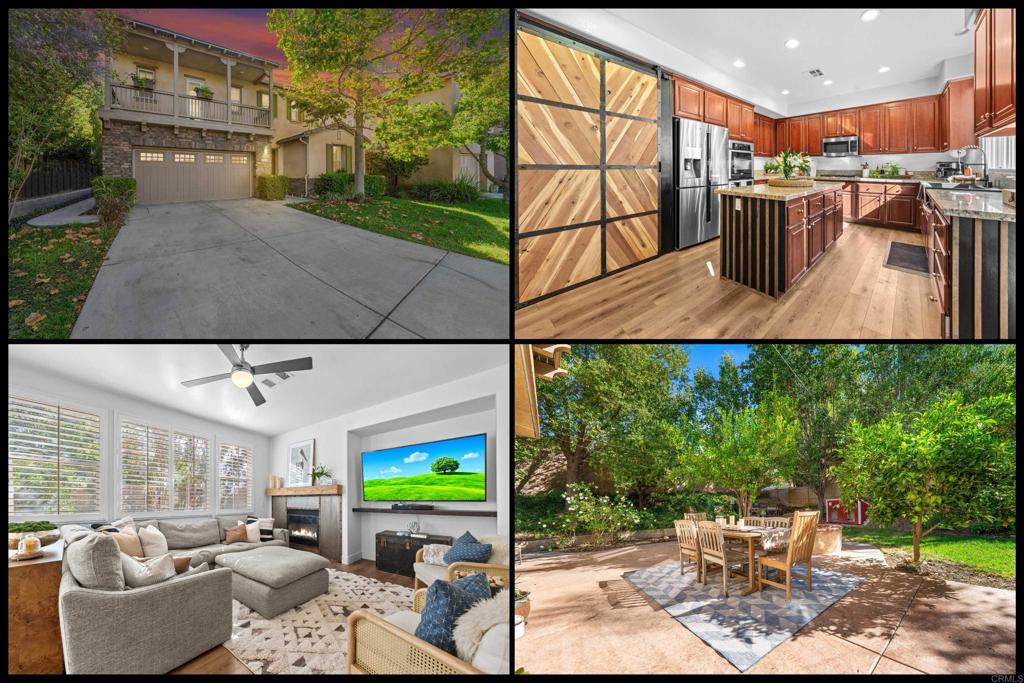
{"x": 556, "y": 72}
{"x": 627, "y": 91}
{"x": 631, "y": 240}
{"x": 551, "y": 199}
{"x": 548, "y": 263}
{"x": 630, "y": 191}
{"x": 631, "y": 142}
{"x": 554, "y": 135}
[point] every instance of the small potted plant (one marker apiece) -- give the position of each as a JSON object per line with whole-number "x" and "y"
{"x": 319, "y": 472}
{"x": 142, "y": 82}
{"x": 203, "y": 92}
{"x": 791, "y": 165}
{"x": 46, "y": 532}
{"x": 522, "y": 603}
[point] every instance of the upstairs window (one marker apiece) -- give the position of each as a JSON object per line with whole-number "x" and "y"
{"x": 263, "y": 99}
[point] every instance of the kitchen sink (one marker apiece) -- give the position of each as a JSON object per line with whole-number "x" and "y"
{"x": 961, "y": 186}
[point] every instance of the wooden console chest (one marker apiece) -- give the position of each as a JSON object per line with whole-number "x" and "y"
{"x": 33, "y": 627}
{"x": 396, "y": 553}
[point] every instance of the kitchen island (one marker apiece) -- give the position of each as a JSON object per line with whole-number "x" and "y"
{"x": 772, "y": 236}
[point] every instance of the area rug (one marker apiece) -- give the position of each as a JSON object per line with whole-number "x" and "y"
{"x": 910, "y": 258}
{"x": 743, "y": 629}
{"x": 311, "y": 638}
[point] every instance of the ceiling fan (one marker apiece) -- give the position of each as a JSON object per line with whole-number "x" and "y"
{"x": 242, "y": 373}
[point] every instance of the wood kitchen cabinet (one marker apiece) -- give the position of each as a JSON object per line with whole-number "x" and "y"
{"x": 982, "y": 71}
{"x": 924, "y": 112}
{"x": 830, "y": 124}
{"x": 896, "y": 127}
{"x": 796, "y": 252}
{"x": 944, "y": 119}
{"x": 715, "y": 108}
{"x": 813, "y": 134}
{"x": 797, "y": 134}
{"x": 995, "y": 70}
{"x": 957, "y": 114}
{"x": 689, "y": 100}
{"x": 781, "y": 135}
{"x": 871, "y": 130}
{"x": 899, "y": 211}
{"x": 764, "y": 136}
{"x": 740, "y": 121}
{"x": 849, "y": 122}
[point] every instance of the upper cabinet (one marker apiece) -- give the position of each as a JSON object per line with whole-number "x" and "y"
{"x": 740, "y": 121}
{"x": 871, "y": 130}
{"x": 764, "y": 136}
{"x": 958, "y": 115}
{"x": 831, "y": 124}
{"x": 995, "y": 70}
{"x": 693, "y": 101}
{"x": 689, "y": 100}
{"x": 896, "y": 127}
{"x": 797, "y": 141}
{"x": 781, "y": 135}
{"x": 849, "y": 122}
{"x": 715, "y": 106}
{"x": 812, "y": 134}
{"x": 924, "y": 113}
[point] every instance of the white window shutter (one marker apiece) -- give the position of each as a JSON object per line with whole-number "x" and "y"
{"x": 145, "y": 468}
{"x": 191, "y": 454}
{"x": 235, "y": 469}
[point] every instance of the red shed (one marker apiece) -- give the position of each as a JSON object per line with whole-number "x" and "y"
{"x": 836, "y": 513}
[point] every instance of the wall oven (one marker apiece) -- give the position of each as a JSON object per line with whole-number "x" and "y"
{"x": 848, "y": 146}
{"x": 741, "y": 160}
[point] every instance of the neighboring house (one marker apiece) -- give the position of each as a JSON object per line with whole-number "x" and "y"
{"x": 181, "y": 146}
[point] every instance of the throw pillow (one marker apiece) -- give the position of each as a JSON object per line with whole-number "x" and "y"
{"x": 192, "y": 570}
{"x": 128, "y": 541}
{"x": 252, "y": 531}
{"x": 236, "y": 535}
{"x": 445, "y": 603}
{"x": 139, "y": 573}
{"x": 153, "y": 542}
{"x": 266, "y": 527}
{"x": 478, "y": 619}
{"x": 433, "y": 553}
{"x": 124, "y": 523}
{"x": 476, "y": 585}
{"x": 466, "y": 538}
{"x": 95, "y": 562}
{"x": 181, "y": 564}
{"x": 467, "y": 551}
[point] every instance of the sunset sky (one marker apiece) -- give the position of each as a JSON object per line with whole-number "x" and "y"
{"x": 240, "y": 29}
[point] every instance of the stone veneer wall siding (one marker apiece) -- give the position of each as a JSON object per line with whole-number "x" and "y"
{"x": 297, "y": 186}
{"x": 119, "y": 137}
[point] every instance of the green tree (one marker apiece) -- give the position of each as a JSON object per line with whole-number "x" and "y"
{"x": 748, "y": 449}
{"x": 953, "y": 461}
{"x": 351, "y": 66}
{"x": 444, "y": 465}
{"x": 52, "y": 64}
{"x": 481, "y": 120}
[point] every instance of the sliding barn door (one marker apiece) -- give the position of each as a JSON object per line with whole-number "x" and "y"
{"x": 587, "y": 164}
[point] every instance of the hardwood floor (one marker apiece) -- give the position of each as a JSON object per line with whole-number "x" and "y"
{"x": 846, "y": 295}
{"x": 219, "y": 660}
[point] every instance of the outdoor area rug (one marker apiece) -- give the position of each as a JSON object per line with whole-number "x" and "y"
{"x": 743, "y": 629}
{"x": 311, "y": 638}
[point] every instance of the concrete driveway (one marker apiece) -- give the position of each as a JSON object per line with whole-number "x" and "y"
{"x": 254, "y": 269}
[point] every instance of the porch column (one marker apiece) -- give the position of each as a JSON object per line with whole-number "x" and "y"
{"x": 270, "y": 123}
{"x": 174, "y": 90}
{"x": 229, "y": 63}
{"x": 107, "y": 77}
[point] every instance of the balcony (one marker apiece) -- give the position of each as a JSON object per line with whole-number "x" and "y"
{"x": 131, "y": 98}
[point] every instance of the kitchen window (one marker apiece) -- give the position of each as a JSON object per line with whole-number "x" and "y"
{"x": 1000, "y": 152}
{"x": 53, "y": 460}
{"x": 234, "y": 477}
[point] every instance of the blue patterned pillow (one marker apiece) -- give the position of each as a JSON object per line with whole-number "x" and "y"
{"x": 468, "y": 552}
{"x": 466, "y": 538}
{"x": 445, "y": 603}
{"x": 476, "y": 585}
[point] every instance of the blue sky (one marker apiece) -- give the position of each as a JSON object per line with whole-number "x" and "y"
{"x": 408, "y": 461}
{"x": 707, "y": 356}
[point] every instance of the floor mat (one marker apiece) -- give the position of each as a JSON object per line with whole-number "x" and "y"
{"x": 743, "y": 629}
{"x": 910, "y": 258}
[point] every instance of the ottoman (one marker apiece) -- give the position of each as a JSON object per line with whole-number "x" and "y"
{"x": 275, "y": 579}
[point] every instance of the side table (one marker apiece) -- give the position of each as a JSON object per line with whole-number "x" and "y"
{"x": 33, "y": 625}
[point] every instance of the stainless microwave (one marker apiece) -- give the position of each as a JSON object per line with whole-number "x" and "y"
{"x": 848, "y": 146}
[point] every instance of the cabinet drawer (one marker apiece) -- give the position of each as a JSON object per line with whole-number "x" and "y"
{"x": 815, "y": 205}
{"x": 902, "y": 188}
{"x": 830, "y": 199}
{"x": 795, "y": 212}
{"x": 871, "y": 188}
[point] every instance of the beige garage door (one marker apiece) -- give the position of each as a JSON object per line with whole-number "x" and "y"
{"x": 177, "y": 175}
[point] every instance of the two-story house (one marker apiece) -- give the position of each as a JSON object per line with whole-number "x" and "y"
{"x": 189, "y": 119}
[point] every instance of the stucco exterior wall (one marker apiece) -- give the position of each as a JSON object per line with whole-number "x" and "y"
{"x": 292, "y": 157}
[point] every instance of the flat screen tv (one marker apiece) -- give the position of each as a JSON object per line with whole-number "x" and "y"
{"x": 450, "y": 469}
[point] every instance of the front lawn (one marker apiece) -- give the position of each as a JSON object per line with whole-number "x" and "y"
{"x": 479, "y": 228}
{"x": 995, "y": 554}
{"x": 49, "y": 273}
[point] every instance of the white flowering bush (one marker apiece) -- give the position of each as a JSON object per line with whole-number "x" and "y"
{"x": 603, "y": 516}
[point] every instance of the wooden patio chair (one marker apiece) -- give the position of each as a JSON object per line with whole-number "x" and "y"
{"x": 696, "y": 516}
{"x": 714, "y": 549}
{"x": 686, "y": 536}
{"x": 777, "y": 522}
{"x": 800, "y": 549}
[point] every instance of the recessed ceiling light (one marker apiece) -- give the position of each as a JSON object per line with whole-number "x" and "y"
{"x": 785, "y": 92}
{"x": 882, "y": 69}
{"x": 792, "y": 42}
{"x": 739, "y": 64}
{"x": 827, "y": 83}
{"x": 869, "y": 15}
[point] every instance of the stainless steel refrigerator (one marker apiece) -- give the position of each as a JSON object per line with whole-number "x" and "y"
{"x": 701, "y": 165}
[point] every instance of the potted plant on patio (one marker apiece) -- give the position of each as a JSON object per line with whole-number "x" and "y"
{"x": 203, "y": 92}
{"x": 141, "y": 82}
{"x": 523, "y": 603}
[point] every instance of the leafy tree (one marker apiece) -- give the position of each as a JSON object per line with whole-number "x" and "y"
{"x": 380, "y": 161}
{"x": 953, "y": 460}
{"x": 350, "y": 67}
{"x": 53, "y": 60}
{"x": 444, "y": 465}
{"x": 481, "y": 120}
{"x": 711, "y": 395}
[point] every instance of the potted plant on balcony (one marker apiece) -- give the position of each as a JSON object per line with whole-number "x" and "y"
{"x": 203, "y": 92}
{"x": 791, "y": 164}
{"x": 142, "y": 82}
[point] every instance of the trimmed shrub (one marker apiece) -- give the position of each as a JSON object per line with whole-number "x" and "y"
{"x": 446, "y": 191}
{"x": 343, "y": 183}
{"x": 271, "y": 187}
{"x": 115, "y": 196}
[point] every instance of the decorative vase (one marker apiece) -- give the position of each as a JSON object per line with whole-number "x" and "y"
{"x": 523, "y": 608}
{"x": 28, "y": 544}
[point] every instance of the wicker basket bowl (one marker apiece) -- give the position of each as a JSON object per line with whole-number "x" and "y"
{"x": 791, "y": 182}
{"x": 45, "y": 537}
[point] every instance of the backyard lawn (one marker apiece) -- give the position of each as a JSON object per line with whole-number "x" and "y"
{"x": 994, "y": 554}
{"x": 479, "y": 228}
{"x": 50, "y": 271}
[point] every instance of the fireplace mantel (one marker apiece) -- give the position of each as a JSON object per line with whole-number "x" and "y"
{"x": 319, "y": 490}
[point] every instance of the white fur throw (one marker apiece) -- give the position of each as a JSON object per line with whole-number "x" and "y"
{"x": 433, "y": 553}
{"x": 480, "y": 618}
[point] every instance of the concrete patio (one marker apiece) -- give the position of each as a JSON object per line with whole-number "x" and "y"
{"x": 585, "y": 618}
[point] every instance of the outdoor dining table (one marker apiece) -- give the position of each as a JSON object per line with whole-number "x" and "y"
{"x": 772, "y": 537}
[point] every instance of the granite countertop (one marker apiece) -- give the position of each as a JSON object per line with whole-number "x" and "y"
{"x": 985, "y": 205}
{"x": 778, "y": 193}
{"x": 860, "y": 179}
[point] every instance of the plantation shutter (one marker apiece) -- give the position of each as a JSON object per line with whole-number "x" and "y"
{"x": 191, "y": 454}
{"x": 145, "y": 468}
{"x": 347, "y": 152}
{"x": 330, "y": 159}
{"x": 235, "y": 477}
{"x": 273, "y": 108}
{"x": 53, "y": 459}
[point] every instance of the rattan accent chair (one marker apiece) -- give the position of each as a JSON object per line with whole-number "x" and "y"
{"x": 715, "y": 550}
{"x": 686, "y": 536}
{"x": 376, "y": 646}
{"x": 800, "y": 549}
{"x": 497, "y": 569}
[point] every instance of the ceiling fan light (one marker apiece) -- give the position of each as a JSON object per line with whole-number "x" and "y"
{"x": 241, "y": 378}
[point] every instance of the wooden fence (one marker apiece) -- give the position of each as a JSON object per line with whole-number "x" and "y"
{"x": 59, "y": 175}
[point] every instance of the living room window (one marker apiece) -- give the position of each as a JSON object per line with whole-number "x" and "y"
{"x": 191, "y": 456}
{"x": 234, "y": 476}
{"x": 145, "y": 468}
{"x": 53, "y": 460}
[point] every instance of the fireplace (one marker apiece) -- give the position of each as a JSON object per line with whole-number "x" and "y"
{"x": 304, "y": 528}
